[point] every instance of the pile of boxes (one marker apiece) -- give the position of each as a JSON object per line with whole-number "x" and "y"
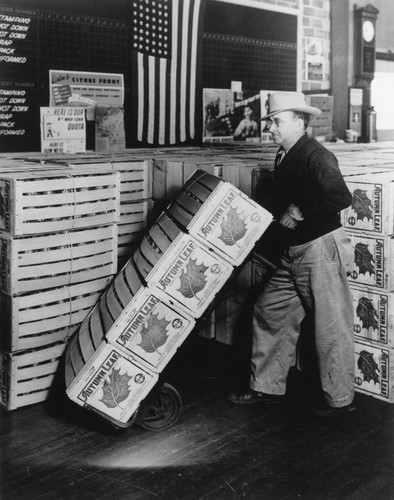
{"x": 369, "y": 222}
{"x": 58, "y": 239}
{"x": 175, "y": 274}
{"x": 59, "y": 252}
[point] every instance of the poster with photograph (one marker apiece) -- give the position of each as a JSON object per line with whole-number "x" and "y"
{"x": 109, "y": 130}
{"x": 265, "y": 135}
{"x": 315, "y": 58}
{"x": 85, "y": 89}
{"x": 218, "y": 109}
{"x": 247, "y": 113}
{"x": 63, "y": 130}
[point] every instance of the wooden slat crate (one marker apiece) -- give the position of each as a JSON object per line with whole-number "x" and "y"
{"x": 111, "y": 384}
{"x": 26, "y": 376}
{"x": 170, "y": 174}
{"x": 372, "y": 208}
{"x": 373, "y": 260}
{"x": 150, "y": 330}
{"x": 220, "y": 216}
{"x": 41, "y": 318}
{"x": 39, "y": 262}
{"x": 135, "y": 173}
{"x": 373, "y": 316}
{"x": 176, "y": 264}
{"x": 134, "y": 219}
{"x": 374, "y": 371}
{"x": 45, "y": 202}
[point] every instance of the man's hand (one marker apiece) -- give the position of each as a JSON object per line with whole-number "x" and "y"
{"x": 291, "y": 217}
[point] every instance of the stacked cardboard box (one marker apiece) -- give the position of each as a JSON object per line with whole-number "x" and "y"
{"x": 175, "y": 275}
{"x": 369, "y": 224}
{"x": 57, "y": 253}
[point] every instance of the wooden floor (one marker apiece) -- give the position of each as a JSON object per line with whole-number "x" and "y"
{"x": 216, "y": 450}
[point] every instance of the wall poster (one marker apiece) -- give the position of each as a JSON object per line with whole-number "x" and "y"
{"x": 86, "y": 89}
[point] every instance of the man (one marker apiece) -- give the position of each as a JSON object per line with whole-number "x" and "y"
{"x": 311, "y": 277}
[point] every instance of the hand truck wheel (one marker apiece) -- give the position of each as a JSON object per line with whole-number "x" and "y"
{"x": 163, "y": 412}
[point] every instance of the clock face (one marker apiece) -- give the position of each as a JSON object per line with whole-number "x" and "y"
{"x": 368, "y": 31}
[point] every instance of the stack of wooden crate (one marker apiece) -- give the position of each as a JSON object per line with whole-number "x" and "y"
{"x": 58, "y": 242}
{"x": 174, "y": 276}
{"x": 135, "y": 199}
{"x": 369, "y": 222}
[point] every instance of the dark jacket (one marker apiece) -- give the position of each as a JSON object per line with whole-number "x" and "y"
{"x": 309, "y": 177}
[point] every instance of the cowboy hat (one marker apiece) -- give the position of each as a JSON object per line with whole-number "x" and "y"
{"x": 289, "y": 101}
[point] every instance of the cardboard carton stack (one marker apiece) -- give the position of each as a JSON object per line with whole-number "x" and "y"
{"x": 370, "y": 225}
{"x": 57, "y": 253}
{"x": 175, "y": 275}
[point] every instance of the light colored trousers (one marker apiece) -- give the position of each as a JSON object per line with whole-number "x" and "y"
{"x": 311, "y": 279}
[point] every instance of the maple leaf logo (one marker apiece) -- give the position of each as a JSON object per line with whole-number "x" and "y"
{"x": 115, "y": 389}
{"x": 364, "y": 259}
{"x": 153, "y": 333}
{"x": 361, "y": 204}
{"x": 233, "y": 227}
{"x": 368, "y": 367}
{"x": 192, "y": 279}
{"x": 367, "y": 313}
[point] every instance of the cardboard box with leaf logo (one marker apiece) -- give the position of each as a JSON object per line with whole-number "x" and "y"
{"x": 374, "y": 371}
{"x": 373, "y": 316}
{"x": 372, "y": 208}
{"x": 220, "y": 216}
{"x": 373, "y": 261}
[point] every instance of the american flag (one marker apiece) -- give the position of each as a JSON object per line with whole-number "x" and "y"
{"x": 165, "y": 44}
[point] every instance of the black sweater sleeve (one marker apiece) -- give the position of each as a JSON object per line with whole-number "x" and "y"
{"x": 330, "y": 194}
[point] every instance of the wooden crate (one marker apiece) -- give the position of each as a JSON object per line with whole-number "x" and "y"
{"x": 373, "y": 261}
{"x": 111, "y": 384}
{"x": 373, "y": 316}
{"x": 220, "y": 216}
{"x": 41, "y": 318}
{"x": 150, "y": 330}
{"x": 187, "y": 272}
{"x": 45, "y": 202}
{"x": 26, "y": 376}
{"x": 171, "y": 173}
{"x": 372, "y": 208}
{"x": 38, "y": 262}
{"x": 134, "y": 218}
{"x": 374, "y": 371}
{"x": 135, "y": 173}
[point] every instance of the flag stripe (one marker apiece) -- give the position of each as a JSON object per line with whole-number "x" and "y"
{"x": 193, "y": 69}
{"x": 162, "y": 109}
{"x": 174, "y": 68}
{"x": 183, "y": 71}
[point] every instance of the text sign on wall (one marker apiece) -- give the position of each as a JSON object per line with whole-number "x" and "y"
{"x": 80, "y": 88}
{"x": 63, "y": 130}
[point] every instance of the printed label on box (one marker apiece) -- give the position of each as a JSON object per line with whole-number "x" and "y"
{"x": 231, "y": 223}
{"x": 112, "y": 384}
{"x": 374, "y": 371}
{"x": 372, "y": 205}
{"x": 150, "y": 329}
{"x": 373, "y": 316}
{"x": 191, "y": 275}
{"x": 372, "y": 261}
{"x": 365, "y": 212}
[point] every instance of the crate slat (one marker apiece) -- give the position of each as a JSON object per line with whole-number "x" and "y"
{"x": 27, "y": 376}
{"x": 41, "y": 317}
{"x": 49, "y": 201}
{"x": 37, "y": 263}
